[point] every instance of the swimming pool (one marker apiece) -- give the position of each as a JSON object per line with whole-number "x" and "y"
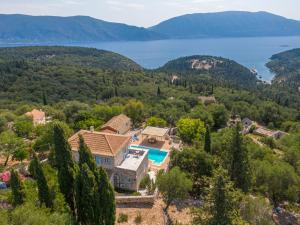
{"x": 157, "y": 156}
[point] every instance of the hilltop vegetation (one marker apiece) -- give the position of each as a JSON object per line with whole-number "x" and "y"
{"x": 286, "y": 66}
{"x": 221, "y": 69}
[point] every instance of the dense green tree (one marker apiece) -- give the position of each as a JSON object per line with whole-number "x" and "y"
{"x": 21, "y": 154}
{"x": 221, "y": 205}
{"x": 17, "y": 188}
{"x": 24, "y": 127}
{"x": 65, "y": 165}
{"x": 197, "y": 164}
{"x": 10, "y": 144}
{"x": 278, "y": 180}
{"x": 173, "y": 185}
{"x": 190, "y": 129}
{"x": 43, "y": 188}
{"x": 220, "y": 115}
{"x": 135, "y": 110}
{"x": 156, "y": 122}
{"x": 45, "y": 139}
{"x": 207, "y": 141}
{"x": 240, "y": 171}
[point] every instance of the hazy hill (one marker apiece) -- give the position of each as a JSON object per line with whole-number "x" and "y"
{"x": 228, "y": 24}
{"x": 23, "y": 28}
{"x": 216, "y": 67}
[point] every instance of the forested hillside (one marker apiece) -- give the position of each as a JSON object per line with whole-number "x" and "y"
{"x": 286, "y": 66}
{"x": 217, "y": 67}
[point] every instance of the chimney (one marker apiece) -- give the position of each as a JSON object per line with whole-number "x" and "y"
{"x": 92, "y": 128}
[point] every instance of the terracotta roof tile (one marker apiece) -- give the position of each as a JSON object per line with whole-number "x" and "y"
{"x": 117, "y": 122}
{"x": 36, "y": 114}
{"x": 100, "y": 143}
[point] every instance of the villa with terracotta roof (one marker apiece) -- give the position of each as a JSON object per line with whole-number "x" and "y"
{"x": 125, "y": 167}
{"x": 120, "y": 124}
{"x": 38, "y": 117}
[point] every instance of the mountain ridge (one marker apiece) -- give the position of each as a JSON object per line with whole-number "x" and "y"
{"x": 19, "y": 28}
{"x": 228, "y": 24}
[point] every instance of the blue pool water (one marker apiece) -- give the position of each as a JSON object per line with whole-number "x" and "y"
{"x": 155, "y": 155}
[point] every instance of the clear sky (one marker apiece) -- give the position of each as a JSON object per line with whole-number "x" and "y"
{"x": 145, "y": 12}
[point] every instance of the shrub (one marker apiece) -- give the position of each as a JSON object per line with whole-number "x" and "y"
{"x": 138, "y": 218}
{"x": 122, "y": 218}
{"x": 145, "y": 182}
{"x": 270, "y": 142}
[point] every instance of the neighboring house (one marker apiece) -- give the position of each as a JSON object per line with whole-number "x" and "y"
{"x": 262, "y": 131}
{"x": 247, "y": 122}
{"x": 120, "y": 124}
{"x": 247, "y": 125}
{"x": 206, "y": 100}
{"x": 125, "y": 167}
{"x": 38, "y": 117}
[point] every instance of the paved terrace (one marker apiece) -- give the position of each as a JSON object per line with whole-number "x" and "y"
{"x": 133, "y": 160}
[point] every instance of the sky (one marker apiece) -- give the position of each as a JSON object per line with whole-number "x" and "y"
{"x": 145, "y": 12}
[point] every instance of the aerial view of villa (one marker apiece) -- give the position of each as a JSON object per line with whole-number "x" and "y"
{"x": 161, "y": 112}
{"x": 127, "y": 159}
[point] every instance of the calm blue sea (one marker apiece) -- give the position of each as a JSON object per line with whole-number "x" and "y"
{"x": 250, "y": 52}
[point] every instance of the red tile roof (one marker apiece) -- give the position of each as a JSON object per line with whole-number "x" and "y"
{"x": 116, "y": 123}
{"x": 36, "y": 115}
{"x": 100, "y": 143}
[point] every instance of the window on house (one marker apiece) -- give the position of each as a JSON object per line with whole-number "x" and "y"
{"x": 98, "y": 160}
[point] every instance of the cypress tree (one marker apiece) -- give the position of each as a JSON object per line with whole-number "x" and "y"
{"x": 240, "y": 169}
{"x": 85, "y": 155}
{"x": 158, "y": 91}
{"x": 104, "y": 205}
{"x": 85, "y": 196}
{"x": 43, "y": 188}
{"x": 65, "y": 165}
{"x": 45, "y": 102}
{"x": 207, "y": 141}
{"x": 116, "y": 91}
{"x": 106, "y": 199}
{"x": 17, "y": 189}
{"x": 221, "y": 202}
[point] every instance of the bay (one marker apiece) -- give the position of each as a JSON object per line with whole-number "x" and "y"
{"x": 252, "y": 52}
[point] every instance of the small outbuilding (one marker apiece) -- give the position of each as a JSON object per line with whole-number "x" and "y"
{"x": 155, "y": 133}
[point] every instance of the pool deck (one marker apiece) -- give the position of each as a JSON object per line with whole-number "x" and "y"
{"x": 159, "y": 145}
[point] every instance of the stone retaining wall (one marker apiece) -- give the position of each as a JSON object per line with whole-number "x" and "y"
{"x": 135, "y": 199}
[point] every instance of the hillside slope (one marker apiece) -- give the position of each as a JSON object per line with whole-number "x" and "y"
{"x": 228, "y": 24}
{"x": 217, "y": 67}
{"x": 286, "y": 66}
{"x": 64, "y": 73}
{"x": 23, "y": 28}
